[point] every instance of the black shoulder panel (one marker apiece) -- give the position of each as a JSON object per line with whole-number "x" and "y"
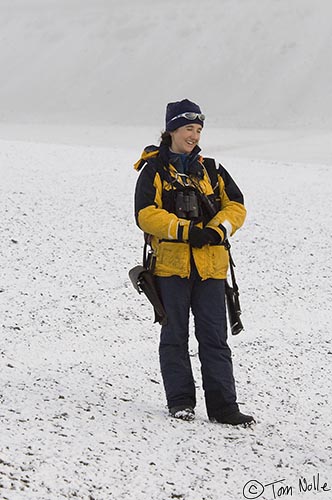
{"x": 145, "y": 191}
{"x": 210, "y": 165}
{"x": 232, "y": 190}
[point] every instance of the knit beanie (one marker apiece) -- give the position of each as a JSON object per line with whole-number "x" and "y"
{"x": 175, "y": 109}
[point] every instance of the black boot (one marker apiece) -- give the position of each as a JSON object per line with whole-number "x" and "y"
{"x": 217, "y": 406}
{"x": 236, "y": 418}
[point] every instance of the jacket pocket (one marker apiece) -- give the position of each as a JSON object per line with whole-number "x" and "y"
{"x": 211, "y": 261}
{"x": 173, "y": 258}
{"x": 218, "y": 257}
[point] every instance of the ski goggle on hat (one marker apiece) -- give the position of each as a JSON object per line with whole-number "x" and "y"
{"x": 189, "y": 115}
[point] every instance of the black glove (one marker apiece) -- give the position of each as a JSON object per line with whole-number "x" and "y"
{"x": 199, "y": 237}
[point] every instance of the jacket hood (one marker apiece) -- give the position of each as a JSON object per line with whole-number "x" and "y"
{"x": 147, "y": 153}
{"x": 153, "y": 151}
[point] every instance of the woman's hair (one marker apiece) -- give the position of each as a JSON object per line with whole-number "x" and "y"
{"x": 166, "y": 139}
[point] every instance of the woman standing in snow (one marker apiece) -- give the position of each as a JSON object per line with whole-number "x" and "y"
{"x": 173, "y": 195}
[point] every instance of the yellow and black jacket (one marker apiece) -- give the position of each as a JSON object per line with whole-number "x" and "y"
{"x": 156, "y": 188}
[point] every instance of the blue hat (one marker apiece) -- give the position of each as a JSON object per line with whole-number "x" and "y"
{"x": 175, "y": 114}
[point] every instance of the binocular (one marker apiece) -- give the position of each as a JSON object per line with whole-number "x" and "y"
{"x": 186, "y": 205}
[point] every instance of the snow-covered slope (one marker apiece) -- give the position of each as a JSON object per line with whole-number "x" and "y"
{"x": 82, "y": 408}
{"x": 249, "y": 63}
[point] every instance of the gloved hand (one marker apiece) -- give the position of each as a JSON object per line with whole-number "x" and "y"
{"x": 199, "y": 237}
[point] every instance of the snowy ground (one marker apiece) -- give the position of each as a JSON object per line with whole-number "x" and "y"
{"x": 82, "y": 410}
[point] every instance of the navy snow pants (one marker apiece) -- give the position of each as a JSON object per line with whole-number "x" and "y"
{"x": 206, "y": 299}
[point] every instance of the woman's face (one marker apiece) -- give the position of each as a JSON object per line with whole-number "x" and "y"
{"x": 185, "y": 138}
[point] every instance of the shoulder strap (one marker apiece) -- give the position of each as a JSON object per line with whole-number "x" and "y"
{"x": 231, "y": 265}
{"x": 211, "y": 168}
{"x": 157, "y": 163}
